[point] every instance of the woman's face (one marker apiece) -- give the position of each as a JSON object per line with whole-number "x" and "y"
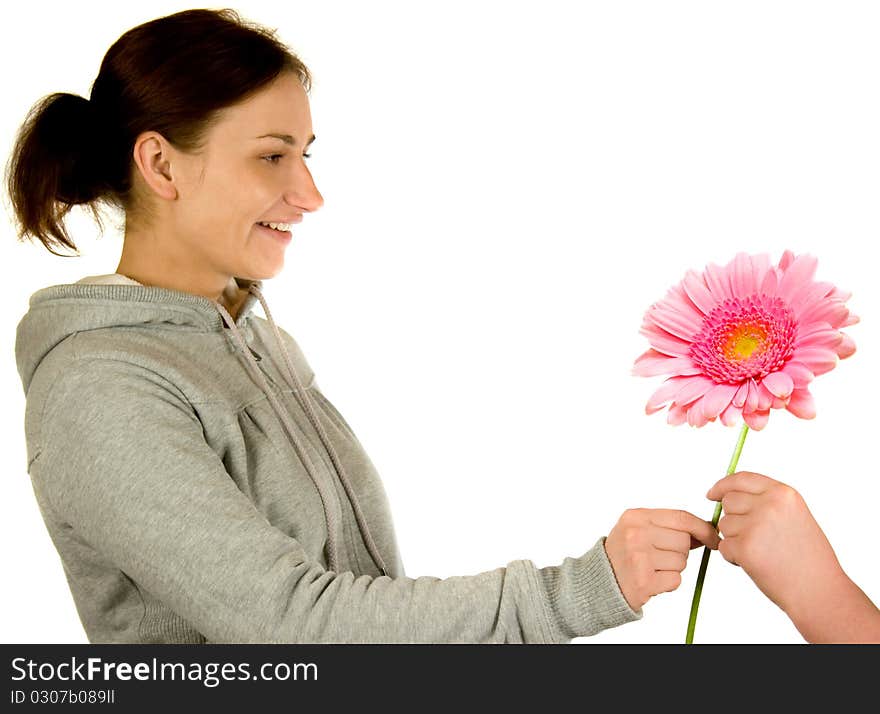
{"x": 253, "y": 169}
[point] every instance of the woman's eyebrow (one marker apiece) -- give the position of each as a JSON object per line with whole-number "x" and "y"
{"x": 286, "y": 138}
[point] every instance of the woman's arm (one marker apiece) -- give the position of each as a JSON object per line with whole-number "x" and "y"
{"x": 123, "y": 461}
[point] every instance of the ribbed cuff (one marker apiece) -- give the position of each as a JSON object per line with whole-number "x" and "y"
{"x": 584, "y": 595}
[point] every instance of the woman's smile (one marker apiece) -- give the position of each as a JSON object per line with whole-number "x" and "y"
{"x": 280, "y": 235}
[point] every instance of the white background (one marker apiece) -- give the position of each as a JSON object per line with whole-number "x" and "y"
{"x": 508, "y": 186}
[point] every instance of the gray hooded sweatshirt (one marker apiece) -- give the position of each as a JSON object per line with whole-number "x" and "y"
{"x": 199, "y": 488}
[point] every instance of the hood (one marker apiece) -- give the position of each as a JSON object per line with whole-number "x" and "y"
{"x": 56, "y": 312}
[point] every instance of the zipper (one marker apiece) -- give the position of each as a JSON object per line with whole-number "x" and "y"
{"x": 259, "y": 358}
{"x": 328, "y": 466}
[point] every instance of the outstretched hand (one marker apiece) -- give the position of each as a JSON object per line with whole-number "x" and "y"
{"x": 768, "y": 530}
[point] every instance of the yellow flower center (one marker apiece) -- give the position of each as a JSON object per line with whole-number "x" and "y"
{"x": 743, "y": 339}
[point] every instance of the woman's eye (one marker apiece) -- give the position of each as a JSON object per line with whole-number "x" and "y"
{"x": 274, "y": 158}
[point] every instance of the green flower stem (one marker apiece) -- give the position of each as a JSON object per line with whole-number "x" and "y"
{"x": 698, "y": 590}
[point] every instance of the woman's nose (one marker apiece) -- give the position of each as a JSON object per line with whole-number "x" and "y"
{"x": 304, "y": 194}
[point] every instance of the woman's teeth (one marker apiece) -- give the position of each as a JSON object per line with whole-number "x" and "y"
{"x": 276, "y": 226}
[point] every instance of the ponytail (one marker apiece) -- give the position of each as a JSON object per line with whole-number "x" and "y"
{"x": 54, "y": 166}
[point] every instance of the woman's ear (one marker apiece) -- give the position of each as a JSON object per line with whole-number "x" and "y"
{"x": 152, "y": 155}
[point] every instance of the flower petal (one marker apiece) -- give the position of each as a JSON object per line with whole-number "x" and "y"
{"x": 752, "y": 397}
{"x": 695, "y": 416}
{"x": 786, "y": 259}
{"x": 828, "y": 339}
{"x": 664, "y": 394}
{"x": 770, "y": 282}
{"x": 717, "y": 282}
{"x": 807, "y": 295}
{"x": 805, "y": 328}
{"x": 731, "y": 415}
{"x": 840, "y": 294}
{"x": 765, "y": 398}
{"x": 756, "y": 420}
{"x": 695, "y": 287}
{"x": 779, "y": 384}
{"x": 677, "y": 415}
{"x": 674, "y": 322}
{"x": 677, "y": 299}
{"x": 742, "y": 280}
{"x": 847, "y": 346}
{"x": 817, "y": 359}
{"x": 663, "y": 342}
{"x": 760, "y": 266}
{"x": 692, "y": 389}
{"x": 801, "y": 404}
{"x": 832, "y": 312}
{"x": 801, "y": 271}
{"x": 800, "y": 375}
{"x": 653, "y": 363}
{"x": 717, "y": 399}
{"x": 740, "y": 398}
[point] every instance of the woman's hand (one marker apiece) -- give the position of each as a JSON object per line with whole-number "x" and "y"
{"x": 648, "y": 549}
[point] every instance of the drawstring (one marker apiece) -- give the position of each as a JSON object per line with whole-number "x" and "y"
{"x": 305, "y": 401}
{"x": 333, "y": 559}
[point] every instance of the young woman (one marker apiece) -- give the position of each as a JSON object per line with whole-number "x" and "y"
{"x": 197, "y": 484}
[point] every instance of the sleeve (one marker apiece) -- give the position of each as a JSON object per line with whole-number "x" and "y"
{"x": 124, "y": 460}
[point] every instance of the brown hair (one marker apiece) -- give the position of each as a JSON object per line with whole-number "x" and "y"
{"x": 172, "y": 75}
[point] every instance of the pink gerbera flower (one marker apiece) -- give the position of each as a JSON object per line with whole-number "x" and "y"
{"x": 744, "y": 339}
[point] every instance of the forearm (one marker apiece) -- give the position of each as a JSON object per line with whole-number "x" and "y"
{"x": 837, "y": 612}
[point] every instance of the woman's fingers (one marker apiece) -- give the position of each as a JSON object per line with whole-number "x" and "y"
{"x": 666, "y": 581}
{"x": 669, "y": 560}
{"x": 679, "y": 520}
{"x": 668, "y": 539}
